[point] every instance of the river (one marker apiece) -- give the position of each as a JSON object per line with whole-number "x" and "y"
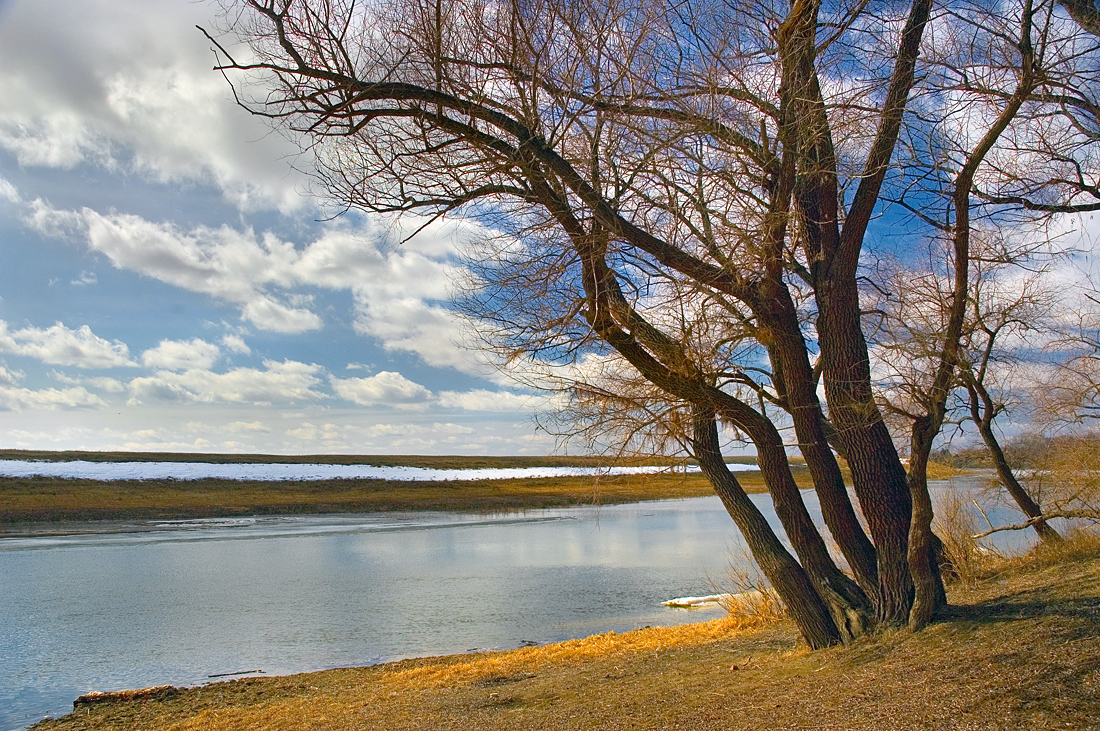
{"x": 176, "y": 602}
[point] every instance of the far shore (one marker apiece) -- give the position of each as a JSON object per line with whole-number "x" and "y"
{"x": 52, "y": 506}
{"x": 439, "y": 461}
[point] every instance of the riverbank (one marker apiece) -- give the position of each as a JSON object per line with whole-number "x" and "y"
{"x": 63, "y": 505}
{"x": 40, "y": 505}
{"x": 1019, "y": 649}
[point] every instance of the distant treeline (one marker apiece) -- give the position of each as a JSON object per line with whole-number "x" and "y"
{"x": 1023, "y": 452}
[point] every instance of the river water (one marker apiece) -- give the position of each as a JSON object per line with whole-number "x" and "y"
{"x": 175, "y": 602}
{"x": 187, "y": 599}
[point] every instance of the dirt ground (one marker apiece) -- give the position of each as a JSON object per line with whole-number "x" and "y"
{"x": 1020, "y": 649}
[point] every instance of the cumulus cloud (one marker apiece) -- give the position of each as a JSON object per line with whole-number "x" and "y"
{"x": 398, "y": 291}
{"x": 386, "y": 388}
{"x": 143, "y": 98}
{"x": 48, "y": 399}
{"x": 9, "y": 377}
{"x": 15, "y": 398}
{"x": 102, "y": 383}
{"x": 485, "y": 400}
{"x": 8, "y": 192}
{"x": 181, "y": 355}
{"x": 224, "y": 263}
{"x": 286, "y": 382}
{"x": 404, "y": 430}
{"x": 58, "y": 345}
{"x": 236, "y": 344}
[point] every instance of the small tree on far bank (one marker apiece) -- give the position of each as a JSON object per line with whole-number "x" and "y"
{"x": 1009, "y": 314}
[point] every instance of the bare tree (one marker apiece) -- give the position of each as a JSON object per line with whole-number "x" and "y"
{"x": 1009, "y": 315}
{"x": 1026, "y": 310}
{"x": 688, "y": 189}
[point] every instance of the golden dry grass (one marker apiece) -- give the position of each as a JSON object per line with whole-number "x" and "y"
{"x": 1020, "y": 649}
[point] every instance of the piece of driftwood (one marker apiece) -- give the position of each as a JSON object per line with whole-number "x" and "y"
{"x": 239, "y": 672}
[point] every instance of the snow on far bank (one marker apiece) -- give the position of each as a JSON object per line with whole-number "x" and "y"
{"x": 278, "y": 472}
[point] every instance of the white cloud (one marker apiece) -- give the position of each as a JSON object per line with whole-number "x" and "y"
{"x": 48, "y": 399}
{"x": 285, "y": 382}
{"x": 49, "y": 221}
{"x": 405, "y": 430}
{"x": 8, "y": 376}
{"x": 129, "y": 84}
{"x": 102, "y": 383}
{"x": 397, "y": 293}
{"x": 58, "y": 345}
{"x": 8, "y": 192}
{"x": 268, "y": 314}
{"x": 386, "y": 388}
{"x": 485, "y": 400}
{"x": 397, "y": 290}
{"x": 223, "y": 263}
{"x": 181, "y": 355}
{"x": 248, "y": 427}
{"x": 309, "y": 432}
{"x": 236, "y": 344}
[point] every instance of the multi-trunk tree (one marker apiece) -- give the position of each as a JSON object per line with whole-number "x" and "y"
{"x": 683, "y": 196}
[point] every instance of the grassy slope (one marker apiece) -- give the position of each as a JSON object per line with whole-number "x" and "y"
{"x": 1021, "y": 649}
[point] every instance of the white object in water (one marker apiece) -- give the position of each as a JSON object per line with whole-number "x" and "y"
{"x": 695, "y": 602}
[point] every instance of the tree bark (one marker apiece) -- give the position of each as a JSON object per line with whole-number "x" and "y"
{"x": 928, "y": 592}
{"x": 800, "y": 390}
{"x": 814, "y": 620}
{"x": 877, "y": 473}
{"x": 848, "y": 603}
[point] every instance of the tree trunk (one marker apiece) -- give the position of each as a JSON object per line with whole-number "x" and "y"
{"x": 800, "y": 390}
{"x": 847, "y": 602}
{"x": 805, "y": 605}
{"x": 878, "y": 476}
{"x": 928, "y": 592}
{"x": 982, "y": 411}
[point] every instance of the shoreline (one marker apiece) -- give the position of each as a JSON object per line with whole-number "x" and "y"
{"x": 31, "y": 506}
{"x": 52, "y": 506}
{"x": 1018, "y": 648}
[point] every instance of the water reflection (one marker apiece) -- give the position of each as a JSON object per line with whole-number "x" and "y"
{"x": 187, "y": 599}
{"x": 173, "y": 602}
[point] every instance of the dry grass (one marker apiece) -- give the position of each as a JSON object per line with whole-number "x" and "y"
{"x": 1020, "y": 649}
{"x": 747, "y": 596}
{"x": 42, "y": 501}
{"x": 956, "y": 525}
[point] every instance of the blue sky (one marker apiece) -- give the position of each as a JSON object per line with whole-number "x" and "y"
{"x": 169, "y": 283}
